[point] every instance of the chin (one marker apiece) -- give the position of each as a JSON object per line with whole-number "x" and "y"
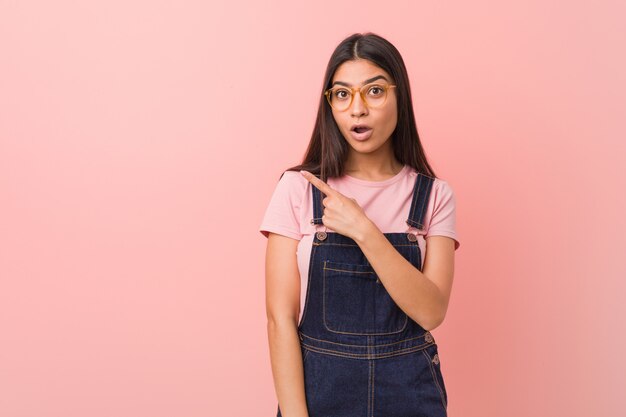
{"x": 366, "y": 147}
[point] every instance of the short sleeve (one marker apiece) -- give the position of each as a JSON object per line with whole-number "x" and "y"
{"x": 282, "y": 215}
{"x": 443, "y": 217}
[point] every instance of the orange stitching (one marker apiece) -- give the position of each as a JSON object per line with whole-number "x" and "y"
{"x": 416, "y": 196}
{"x": 367, "y": 346}
{"x": 349, "y": 270}
{"x": 365, "y": 355}
{"x": 324, "y": 269}
{"x": 424, "y": 205}
{"x": 347, "y": 244}
{"x": 432, "y": 371}
{"x": 373, "y": 385}
{"x": 369, "y": 394}
{"x": 308, "y": 290}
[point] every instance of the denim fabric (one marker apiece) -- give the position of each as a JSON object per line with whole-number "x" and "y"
{"x": 362, "y": 355}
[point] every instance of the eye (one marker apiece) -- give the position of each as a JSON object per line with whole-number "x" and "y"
{"x": 375, "y": 90}
{"x": 341, "y": 94}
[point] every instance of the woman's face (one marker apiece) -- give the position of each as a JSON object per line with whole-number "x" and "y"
{"x": 381, "y": 120}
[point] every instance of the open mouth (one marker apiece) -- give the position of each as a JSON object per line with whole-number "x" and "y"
{"x": 361, "y": 132}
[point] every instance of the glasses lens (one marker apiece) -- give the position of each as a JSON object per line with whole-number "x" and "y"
{"x": 340, "y": 98}
{"x": 375, "y": 95}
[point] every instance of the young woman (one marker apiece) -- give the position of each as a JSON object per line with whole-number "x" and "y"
{"x": 362, "y": 235}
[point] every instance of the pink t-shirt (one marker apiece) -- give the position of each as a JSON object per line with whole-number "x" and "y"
{"x": 386, "y": 203}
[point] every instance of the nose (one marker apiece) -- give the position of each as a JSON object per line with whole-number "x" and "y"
{"x": 358, "y": 106}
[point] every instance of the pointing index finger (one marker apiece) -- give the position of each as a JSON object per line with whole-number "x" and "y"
{"x": 323, "y": 187}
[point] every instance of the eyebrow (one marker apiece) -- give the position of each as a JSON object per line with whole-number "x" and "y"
{"x": 369, "y": 80}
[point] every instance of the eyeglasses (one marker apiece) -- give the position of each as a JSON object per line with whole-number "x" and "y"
{"x": 373, "y": 95}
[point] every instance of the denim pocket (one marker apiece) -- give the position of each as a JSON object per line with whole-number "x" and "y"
{"x": 356, "y": 302}
{"x": 432, "y": 354}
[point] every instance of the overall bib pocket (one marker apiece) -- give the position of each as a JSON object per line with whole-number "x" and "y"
{"x": 356, "y": 302}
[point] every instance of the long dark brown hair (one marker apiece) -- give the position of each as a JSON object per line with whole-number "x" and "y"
{"x": 328, "y": 149}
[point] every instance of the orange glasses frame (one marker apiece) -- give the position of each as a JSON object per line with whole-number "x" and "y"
{"x": 360, "y": 90}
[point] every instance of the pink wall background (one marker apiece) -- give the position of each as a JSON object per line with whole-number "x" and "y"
{"x": 139, "y": 145}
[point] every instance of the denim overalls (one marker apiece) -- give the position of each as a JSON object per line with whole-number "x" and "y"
{"x": 362, "y": 355}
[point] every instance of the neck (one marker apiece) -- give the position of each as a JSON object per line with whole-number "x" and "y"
{"x": 373, "y": 169}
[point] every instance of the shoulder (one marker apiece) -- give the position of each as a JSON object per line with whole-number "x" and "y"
{"x": 442, "y": 197}
{"x": 443, "y": 189}
{"x": 440, "y": 187}
{"x": 293, "y": 181}
{"x": 291, "y": 175}
{"x": 285, "y": 210}
{"x": 292, "y": 186}
{"x": 442, "y": 214}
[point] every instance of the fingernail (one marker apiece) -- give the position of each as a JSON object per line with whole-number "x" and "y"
{"x": 303, "y": 172}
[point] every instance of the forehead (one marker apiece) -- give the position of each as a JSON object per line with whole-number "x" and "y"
{"x": 356, "y": 71}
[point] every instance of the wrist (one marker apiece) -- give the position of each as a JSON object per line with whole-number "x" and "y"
{"x": 367, "y": 229}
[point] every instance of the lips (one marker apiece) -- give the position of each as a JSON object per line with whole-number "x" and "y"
{"x": 361, "y": 132}
{"x": 360, "y": 128}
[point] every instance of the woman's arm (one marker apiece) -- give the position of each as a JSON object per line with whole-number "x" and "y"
{"x": 423, "y": 295}
{"x": 282, "y": 289}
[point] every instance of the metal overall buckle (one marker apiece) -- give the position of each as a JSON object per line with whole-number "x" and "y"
{"x": 320, "y": 234}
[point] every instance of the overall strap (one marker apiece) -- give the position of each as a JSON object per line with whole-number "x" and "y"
{"x": 318, "y": 207}
{"x": 421, "y": 195}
